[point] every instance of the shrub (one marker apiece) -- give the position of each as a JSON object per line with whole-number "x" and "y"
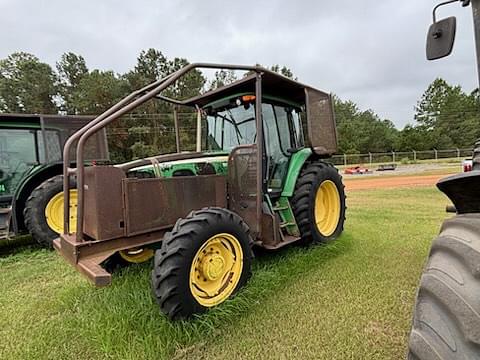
{"x": 405, "y": 161}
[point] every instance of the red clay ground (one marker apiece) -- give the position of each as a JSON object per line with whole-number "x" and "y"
{"x": 391, "y": 182}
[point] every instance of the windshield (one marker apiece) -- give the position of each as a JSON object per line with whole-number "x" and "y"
{"x": 234, "y": 126}
{"x": 230, "y": 128}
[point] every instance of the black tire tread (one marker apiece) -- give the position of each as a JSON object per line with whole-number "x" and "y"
{"x": 34, "y": 212}
{"x": 301, "y": 200}
{"x": 170, "y": 259}
{"x": 446, "y": 321}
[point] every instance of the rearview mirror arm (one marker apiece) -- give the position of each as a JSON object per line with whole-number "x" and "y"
{"x": 438, "y": 5}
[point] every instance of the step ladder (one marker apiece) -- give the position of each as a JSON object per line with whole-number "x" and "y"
{"x": 283, "y": 211}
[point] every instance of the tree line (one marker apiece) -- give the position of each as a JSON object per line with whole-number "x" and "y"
{"x": 445, "y": 115}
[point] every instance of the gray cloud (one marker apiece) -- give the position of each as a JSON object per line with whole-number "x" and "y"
{"x": 368, "y": 51}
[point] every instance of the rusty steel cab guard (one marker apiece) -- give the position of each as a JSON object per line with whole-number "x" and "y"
{"x": 118, "y": 211}
{"x": 123, "y": 207}
{"x": 242, "y": 184}
{"x": 322, "y": 131}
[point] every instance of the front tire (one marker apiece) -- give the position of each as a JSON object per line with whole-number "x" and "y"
{"x": 204, "y": 260}
{"x": 43, "y": 214}
{"x": 319, "y": 203}
{"x": 446, "y": 321}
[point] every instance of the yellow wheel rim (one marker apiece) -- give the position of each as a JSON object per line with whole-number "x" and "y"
{"x": 216, "y": 269}
{"x": 327, "y": 208}
{"x": 136, "y": 255}
{"x": 54, "y": 212}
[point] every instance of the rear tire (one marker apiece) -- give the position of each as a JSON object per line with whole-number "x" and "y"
{"x": 34, "y": 213}
{"x": 305, "y": 201}
{"x": 210, "y": 250}
{"x": 136, "y": 255}
{"x": 446, "y": 321}
{"x": 124, "y": 258}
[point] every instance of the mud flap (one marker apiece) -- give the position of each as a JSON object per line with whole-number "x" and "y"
{"x": 463, "y": 190}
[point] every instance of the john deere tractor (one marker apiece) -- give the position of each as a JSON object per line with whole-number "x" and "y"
{"x": 258, "y": 178}
{"x": 31, "y": 196}
{"x": 446, "y": 322}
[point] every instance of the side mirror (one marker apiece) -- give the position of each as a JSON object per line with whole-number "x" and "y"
{"x": 440, "y": 38}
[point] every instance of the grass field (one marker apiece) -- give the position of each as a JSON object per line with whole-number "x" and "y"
{"x": 351, "y": 299}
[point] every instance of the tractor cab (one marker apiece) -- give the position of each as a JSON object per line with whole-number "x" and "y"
{"x": 231, "y": 122}
{"x": 31, "y": 153}
{"x": 295, "y": 117}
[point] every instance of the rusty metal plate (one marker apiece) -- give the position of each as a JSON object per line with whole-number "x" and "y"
{"x": 87, "y": 256}
{"x": 322, "y": 133}
{"x": 242, "y": 184}
{"x": 152, "y": 204}
{"x": 103, "y": 216}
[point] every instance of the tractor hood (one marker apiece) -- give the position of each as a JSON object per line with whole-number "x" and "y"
{"x": 198, "y": 166}
{"x": 165, "y": 165}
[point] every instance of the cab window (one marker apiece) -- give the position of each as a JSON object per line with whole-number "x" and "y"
{"x": 235, "y": 125}
{"x": 17, "y": 156}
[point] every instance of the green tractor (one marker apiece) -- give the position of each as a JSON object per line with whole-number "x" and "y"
{"x": 446, "y": 320}
{"x": 259, "y": 177}
{"x": 31, "y": 186}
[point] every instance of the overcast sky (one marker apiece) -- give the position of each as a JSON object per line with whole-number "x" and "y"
{"x": 372, "y": 52}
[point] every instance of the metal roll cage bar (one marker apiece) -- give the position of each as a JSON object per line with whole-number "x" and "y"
{"x": 129, "y": 103}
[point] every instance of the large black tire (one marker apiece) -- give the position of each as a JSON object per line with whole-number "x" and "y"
{"x": 446, "y": 321}
{"x": 173, "y": 262}
{"x": 34, "y": 212}
{"x": 303, "y": 201}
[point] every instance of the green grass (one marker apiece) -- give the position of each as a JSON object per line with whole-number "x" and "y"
{"x": 349, "y": 299}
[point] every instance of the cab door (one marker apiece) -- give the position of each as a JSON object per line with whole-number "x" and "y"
{"x": 283, "y": 136}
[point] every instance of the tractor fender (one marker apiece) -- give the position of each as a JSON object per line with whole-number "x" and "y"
{"x": 463, "y": 190}
{"x": 295, "y": 165}
{"x": 24, "y": 189}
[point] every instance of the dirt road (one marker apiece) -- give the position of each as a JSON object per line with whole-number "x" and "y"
{"x": 391, "y": 182}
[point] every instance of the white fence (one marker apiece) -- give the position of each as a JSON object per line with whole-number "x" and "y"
{"x": 403, "y": 156}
